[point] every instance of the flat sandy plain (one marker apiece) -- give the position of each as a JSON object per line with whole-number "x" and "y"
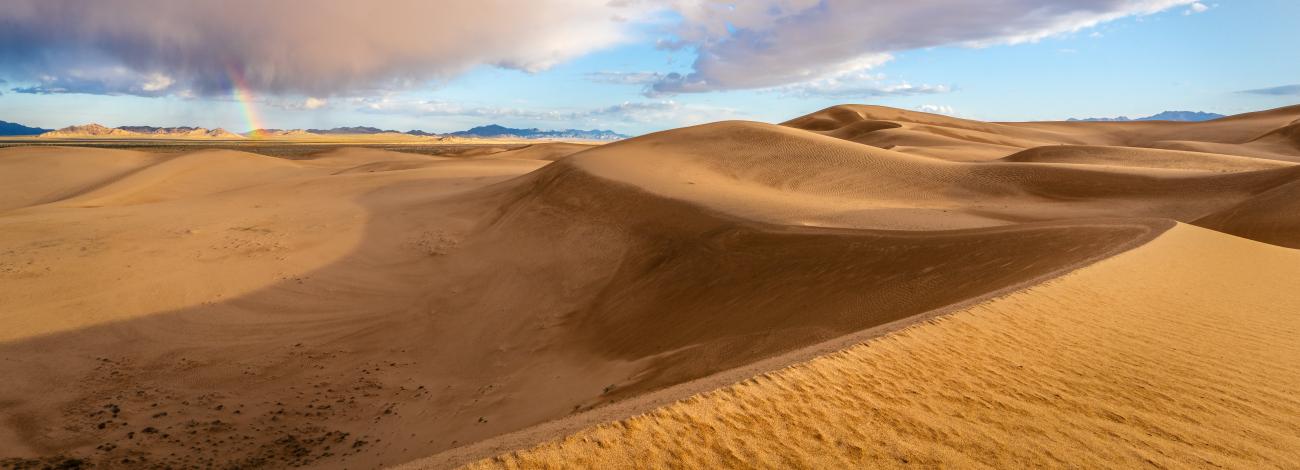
{"x": 859, "y": 286}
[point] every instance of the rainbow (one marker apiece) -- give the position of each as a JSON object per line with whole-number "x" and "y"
{"x": 244, "y": 95}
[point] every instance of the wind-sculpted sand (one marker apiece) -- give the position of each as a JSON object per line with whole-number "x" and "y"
{"x": 1178, "y": 354}
{"x": 360, "y": 308}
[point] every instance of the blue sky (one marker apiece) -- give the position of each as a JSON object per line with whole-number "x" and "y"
{"x": 1047, "y": 60}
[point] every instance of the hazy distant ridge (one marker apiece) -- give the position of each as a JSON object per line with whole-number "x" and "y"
{"x": 1185, "y": 116}
{"x": 493, "y": 130}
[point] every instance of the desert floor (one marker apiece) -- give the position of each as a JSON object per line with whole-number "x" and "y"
{"x": 862, "y": 285}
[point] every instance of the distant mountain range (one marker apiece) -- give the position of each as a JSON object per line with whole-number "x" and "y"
{"x": 177, "y": 132}
{"x": 1185, "y": 116}
{"x": 492, "y": 131}
{"x": 138, "y": 132}
{"x": 495, "y": 131}
{"x": 11, "y": 128}
{"x": 352, "y": 130}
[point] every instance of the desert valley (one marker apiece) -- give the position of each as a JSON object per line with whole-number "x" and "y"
{"x": 858, "y": 286}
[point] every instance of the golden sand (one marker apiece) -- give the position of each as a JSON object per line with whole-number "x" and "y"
{"x": 1178, "y": 354}
{"x": 359, "y": 307}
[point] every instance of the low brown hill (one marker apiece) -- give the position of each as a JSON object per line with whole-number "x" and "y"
{"x": 86, "y": 131}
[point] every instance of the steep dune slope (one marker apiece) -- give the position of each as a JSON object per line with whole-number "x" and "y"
{"x": 1193, "y": 371}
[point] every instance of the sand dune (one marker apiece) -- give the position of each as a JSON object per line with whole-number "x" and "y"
{"x": 1053, "y": 376}
{"x": 1285, "y": 139}
{"x": 549, "y": 151}
{"x": 1261, "y": 134}
{"x": 189, "y": 175}
{"x": 780, "y": 175}
{"x": 1271, "y": 217}
{"x": 1142, "y": 158}
{"x": 545, "y": 151}
{"x": 362, "y": 308}
{"x": 39, "y": 175}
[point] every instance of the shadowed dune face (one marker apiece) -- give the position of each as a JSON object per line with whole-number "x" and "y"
{"x": 1271, "y": 217}
{"x": 364, "y": 308}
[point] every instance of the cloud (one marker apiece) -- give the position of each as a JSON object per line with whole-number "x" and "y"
{"x": 767, "y": 43}
{"x": 319, "y": 48}
{"x": 625, "y": 78}
{"x": 935, "y": 109}
{"x": 314, "y": 103}
{"x": 331, "y": 48}
{"x": 857, "y": 80}
{"x": 101, "y": 80}
{"x": 1195, "y": 8}
{"x": 1284, "y": 90}
{"x": 157, "y": 82}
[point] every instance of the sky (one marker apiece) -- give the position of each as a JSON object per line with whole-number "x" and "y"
{"x": 632, "y": 66}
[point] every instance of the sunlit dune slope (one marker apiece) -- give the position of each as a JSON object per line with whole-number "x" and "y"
{"x": 1100, "y": 368}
